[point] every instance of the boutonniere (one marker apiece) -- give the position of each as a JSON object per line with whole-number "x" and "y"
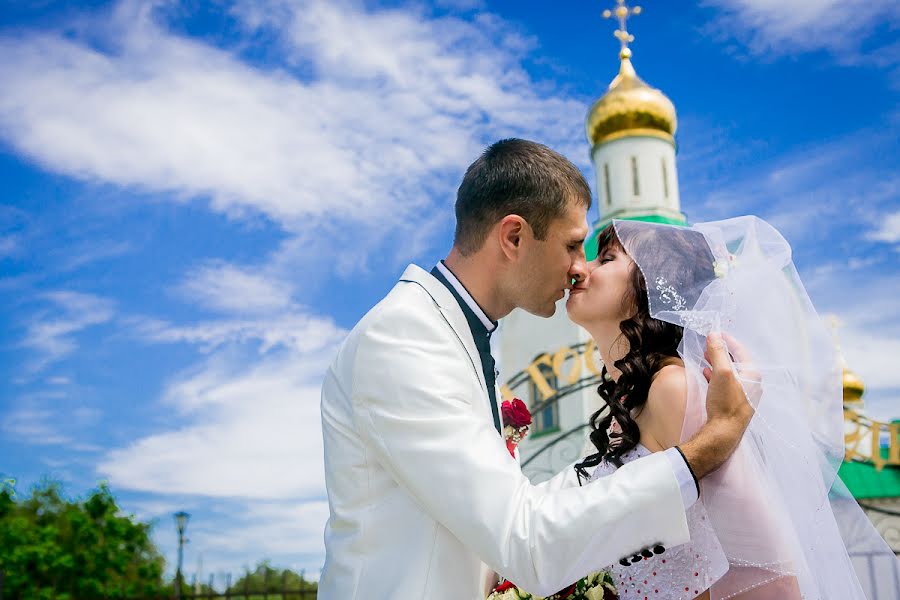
{"x": 516, "y": 420}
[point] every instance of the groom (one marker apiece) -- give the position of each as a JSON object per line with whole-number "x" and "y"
{"x": 421, "y": 487}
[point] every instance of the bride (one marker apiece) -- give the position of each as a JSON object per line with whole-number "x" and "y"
{"x": 774, "y": 521}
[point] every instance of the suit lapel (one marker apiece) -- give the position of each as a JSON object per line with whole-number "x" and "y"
{"x": 451, "y": 312}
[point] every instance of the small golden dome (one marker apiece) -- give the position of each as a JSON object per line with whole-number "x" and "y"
{"x": 630, "y": 106}
{"x": 853, "y": 387}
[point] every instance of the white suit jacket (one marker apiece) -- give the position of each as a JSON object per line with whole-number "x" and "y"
{"x": 422, "y": 489}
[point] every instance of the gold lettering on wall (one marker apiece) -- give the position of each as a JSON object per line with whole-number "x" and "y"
{"x": 589, "y": 352}
{"x": 858, "y": 428}
{"x": 569, "y": 364}
{"x": 560, "y": 358}
{"x": 534, "y": 372}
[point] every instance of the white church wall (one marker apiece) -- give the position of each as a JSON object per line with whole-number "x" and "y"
{"x": 652, "y": 160}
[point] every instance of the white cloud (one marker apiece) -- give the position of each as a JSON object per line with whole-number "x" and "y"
{"x": 888, "y": 229}
{"x": 864, "y": 300}
{"x": 51, "y": 334}
{"x": 252, "y": 434}
{"x": 250, "y": 426}
{"x": 226, "y": 287}
{"x": 874, "y": 356}
{"x": 289, "y": 531}
{"x": 373, "y": 117}
{"x": 230, "y": 535}
{"x": 37, "y": 426}
{"x": 94, "y": 252}
{"x": 296, "y": 330}
{"x": 48, "y": 418}
{"x": 9, "y": 246}
{"x": 776, "y": 27}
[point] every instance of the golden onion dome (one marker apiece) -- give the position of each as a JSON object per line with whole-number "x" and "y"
{"x": 853, "y": 387}
{"x": 630, "y": 107}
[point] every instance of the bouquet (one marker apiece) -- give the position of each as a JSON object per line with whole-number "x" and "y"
{"x": 597, "y": 586}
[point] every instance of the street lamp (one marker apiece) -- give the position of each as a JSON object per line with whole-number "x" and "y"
{"x": 181, "y": 519}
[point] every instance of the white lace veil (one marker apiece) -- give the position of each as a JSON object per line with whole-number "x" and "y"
{"x": 783, "y": 518}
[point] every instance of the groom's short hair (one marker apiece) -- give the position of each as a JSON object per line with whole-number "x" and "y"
{"x": 518, "y": 177}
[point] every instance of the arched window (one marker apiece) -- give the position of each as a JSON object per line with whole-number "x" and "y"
{"x": 665, "y": 174}
{"x": 634, "y": 176}
{"x": 606, "y": 184}
{"x": 546, "y": 419}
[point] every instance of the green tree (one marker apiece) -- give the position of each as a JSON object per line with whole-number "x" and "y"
{"x": 51, "y": 547}
{"x": 266, "y": 578}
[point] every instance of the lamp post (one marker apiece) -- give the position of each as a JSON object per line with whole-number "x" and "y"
{"x": 181, "y": 519}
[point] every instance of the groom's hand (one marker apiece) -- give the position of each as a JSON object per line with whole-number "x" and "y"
{"x": 726, "y": 400}
{"x": 727, "y": 407}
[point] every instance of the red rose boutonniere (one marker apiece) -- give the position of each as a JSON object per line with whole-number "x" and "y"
{"x": 516, "y": 419}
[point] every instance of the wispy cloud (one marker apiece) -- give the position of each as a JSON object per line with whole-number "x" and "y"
{"x": 296, "y": 330}
{"x": 249, "y": 430}
{"x": 48, "y": 418}
{"x": 228, "y": 535}
{"x": 226, "y": 287}
{"x": 38, "y": 426}
{"x": 808, "y": 193}
{"x": 51, "y": 334}
{"x": 288, "y": 532}
{"x": 888, "y": 229}
{"x": 9, "y": 245}
{"x": 776, "y": 28}
{"x": 88, "y": 253}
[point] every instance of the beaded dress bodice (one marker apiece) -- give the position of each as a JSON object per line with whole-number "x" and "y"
{"x": 682, "y": 572}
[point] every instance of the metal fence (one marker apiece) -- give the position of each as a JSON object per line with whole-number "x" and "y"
{"x": 278, "y": 588}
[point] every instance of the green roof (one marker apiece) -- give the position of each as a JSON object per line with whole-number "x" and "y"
{"x": 590, "y": 244}
{"x": 865, "y": 481}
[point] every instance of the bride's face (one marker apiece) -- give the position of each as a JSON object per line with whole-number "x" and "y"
{"x": 605, "y": 296}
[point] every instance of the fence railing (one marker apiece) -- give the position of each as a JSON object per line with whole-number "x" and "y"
{"x": 276, "y": 588}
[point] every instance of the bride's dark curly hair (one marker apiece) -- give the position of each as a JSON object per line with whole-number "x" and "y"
{"x": 652, "y": 344}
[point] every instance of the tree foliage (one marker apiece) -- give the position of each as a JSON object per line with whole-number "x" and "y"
{"x": 266, "y": 578}
{"x": 51, "y": 547}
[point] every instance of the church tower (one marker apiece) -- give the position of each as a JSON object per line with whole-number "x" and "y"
{"x": 631, "y": 131}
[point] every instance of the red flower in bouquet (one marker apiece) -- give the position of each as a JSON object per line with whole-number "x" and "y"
{"x": 516, "y": 419}
{"x": 515, "y": 413}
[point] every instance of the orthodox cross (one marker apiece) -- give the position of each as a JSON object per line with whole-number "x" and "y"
{"x": 621, "y": 12}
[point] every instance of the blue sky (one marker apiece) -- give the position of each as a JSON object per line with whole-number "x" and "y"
{"x": 199, "y": 200}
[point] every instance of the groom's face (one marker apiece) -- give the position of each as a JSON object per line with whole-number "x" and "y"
{"x": 549, "y": 265}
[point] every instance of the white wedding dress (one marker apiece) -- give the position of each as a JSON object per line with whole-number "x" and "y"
{"x": 681, "y": 573}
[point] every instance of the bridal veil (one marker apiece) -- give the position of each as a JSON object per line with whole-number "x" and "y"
{"x": 786, "y": 523}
